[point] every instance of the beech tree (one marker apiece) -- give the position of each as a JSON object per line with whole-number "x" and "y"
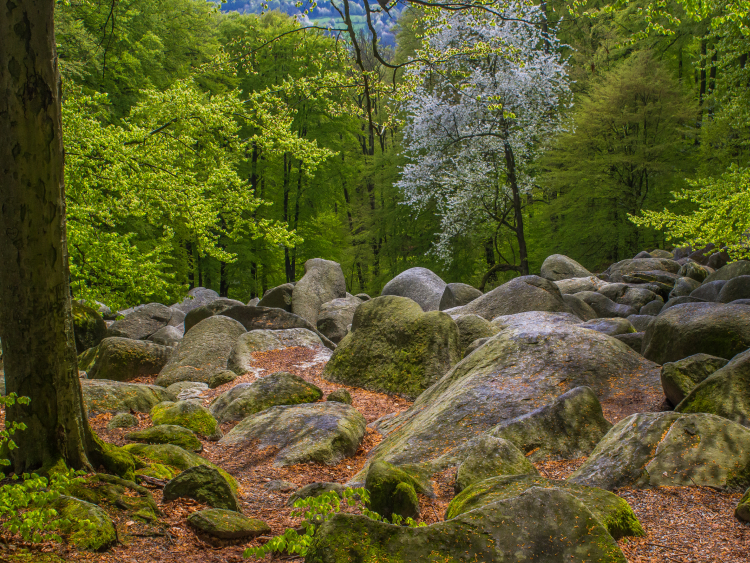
{"x": 488, "y": 95}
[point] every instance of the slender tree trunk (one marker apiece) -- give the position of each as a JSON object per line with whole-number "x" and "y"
{"x": 510, "y": 163}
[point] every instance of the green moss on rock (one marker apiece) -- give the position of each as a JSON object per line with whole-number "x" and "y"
{"x": 87, "y": 525}
{"x": 167, "y": 434}
{"x": 490, "y": 457}
{"x": 392, "y": 491}
{"x": 227, "y": 524}
{"x": 204, "y": 484}
{"x": 188, "y": 414}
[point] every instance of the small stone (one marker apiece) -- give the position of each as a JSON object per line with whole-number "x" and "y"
{"x": 167, "y": 434}
{"x": 340, "y": 396}
{"x": 122, "y": 420}
{"x": 279, "y": 485}
{"x": 227, "y": 525}
{"x": 221, "y": 378}
{"x": 204, "y": 484}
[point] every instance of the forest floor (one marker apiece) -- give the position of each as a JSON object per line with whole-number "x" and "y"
{"x": 683, "y": 524}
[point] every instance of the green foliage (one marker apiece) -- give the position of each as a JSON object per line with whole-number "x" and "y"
{"x": 315, "y": 511}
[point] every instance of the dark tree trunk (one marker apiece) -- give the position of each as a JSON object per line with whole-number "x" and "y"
{"x": 510, "y": 163}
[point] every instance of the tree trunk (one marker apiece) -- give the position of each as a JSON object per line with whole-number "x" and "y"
{"x": 510, "y": 163}
{"x": 36, "y": 322}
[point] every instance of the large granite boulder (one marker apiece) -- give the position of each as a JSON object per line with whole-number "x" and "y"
{"x": 204, "y": 484}
{"x": 692, "y": 328}
{"x": 559, "y": 267}
{"x": 625, "y": 267}
{"x": 684, "y": 287}
{"x": 395, "y": 347}
{"x": 709, "y": 291}
{"x": 336, "y": 316}
{"x": 167, "y": 336}
{"x": 473, "y": 327}
{"x": 612, "y": 327}
{"x": 267, "y": 318}
{"x": 104, "y": 396}
{"x": 196, "y": 297}
{"x": 142, "y": 322}
{"x": 489, "y": 457}
{"x": 725, "y": 392}
{"x": 241, "y": 357}
{"x": 87, "y": 525}
{"x": 188, "y": 414}
{"x": 541, "y": 525}
{"x": 679, "y": 378}
{"x": 517, "y": 371}
{"x": 89, "y": 327}
{"x": 123, "y": 359}
{"x": 670, "y": 449}
{"x": 694, "y": 271}
{"x": 736, "y": 288}
{"x": 568, "y": 428}
{"x": 279, "y": 297}
{"x": 313, "y": 432}
{"x": 730, "y": 271}
{"x": 323, "y": 281}
{"x": 612, "y": 511}
{"x": 458, "y": 294}
{"x": 203, "y": 352}
{"x": 279, "y": 388}
{"x": 574, "y": 285}
{"x": 579, "y": 307}
{"x": 604, "y": 306}
{"x": 421, "y": 285}
{"x": 215, "y": 307}
{"x": 527, "y": 293}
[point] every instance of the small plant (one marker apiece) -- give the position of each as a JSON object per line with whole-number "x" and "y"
{"x": 316, "y": 511}
{"x": 26, "y": 502}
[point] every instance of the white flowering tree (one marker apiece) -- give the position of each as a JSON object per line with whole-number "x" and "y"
{"x": 488, "y": 95}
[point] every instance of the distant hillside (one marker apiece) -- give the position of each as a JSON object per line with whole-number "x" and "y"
{"x": 323, "y": 15}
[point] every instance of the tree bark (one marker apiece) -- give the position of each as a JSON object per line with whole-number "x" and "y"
{"x": 510, "y": 163}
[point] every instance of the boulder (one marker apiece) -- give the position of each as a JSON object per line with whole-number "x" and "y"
{"x": 634, "y": 340}
{"x": 279, "y": 297}
{"x": 315, "y": 490}
{"x": 215, "y": 307}
{"x": 167, "y": 336}
{"x": 88, "y": 327}
{"x": 489, "y": 457}
{"x": 730, "y": 271}
{"x": 88, "y": 526}
{"x": 122, "y": 420}
{"x": 642, "y": 254}
{"x": 363, "y": 297}
{"x": 418, "y": 284}
{"x": 574, "y": 285}
{"x": 253, "y": 302}
{"x": 203, "y": 352}
{"x": 526, "y": 293}
{"x": 532, "y": 319}
{"x": 123, "y": 359}
{"x": 196, "y": 297}
{"x": 683, "y": 287}
{"x": 567, "y": 428}
{"x": 472, "y": 327}
{"x": 693, "y": 271}
{"x": 636, "y": 297}
{"x": 395, "y": 347}
{"x": 167, "y": 434}
{"x": 115, "y": 494}
{"x": 517, "y": 371}
{"x": 102, "y": 396}
{"x": 612, "y": 511}
{"x": 709, "y": 328}
{"x": 679, "y": 301}
{"x": 558, "y": 267}
{"x": 183, "y": 390}
{"x": 579, "y": 307}
{"x": 659, "y": 253}
{"x": 652, "y": 309}
{"x": 143, "y": 322}
{"x": 725, "y": 392}
{"x": 221, "y": 378}
{"x": 612, "y": 327}
{"x": 392, "y": 491}
{"x": 603, "y": 306}
{"x": 227, "y": 524}
{"x": 340, "y": 396}
{"x": 278, "y": 388}
{"x": 458, "y": 294}
{"x": 541, "y": 525}
{"x": 679, "y": 378}
{"x": 336, "y": 316}
{"x": 323, "y": 281}
{"x": 625, "y": 267}
{"x": 266, "y": 318}
{"x": 188, "y": 414}
{"x": 640, "y": 322}
{"x": 318, "y": 432}
{"x": 736, "y": 288}
{"x": 743, "y": 507}
{"x": 241, "y": 358}
{"x": 709, "y": 291}
{"x": 669, "y": 449}
{"x": 204, "y": 484}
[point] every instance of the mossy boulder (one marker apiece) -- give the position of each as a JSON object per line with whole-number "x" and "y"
{"x": 392, "y": 491}
{"x": 730, "y": 271}
{"x": 473, "y": 327}
{"x": 87, "y": 526}
{"x": 241, "y": 358}
{"x": 544, "y": 525}
{"x": 679, "y": 378}
{"x": 89, "y": 327}
{"x": 101, "y": 396}
{"x": 221, "y": 378}
{"x": 394, "y": 347}
{"x": 203, "y": 352}
{"x": 623, "y": 268}
{"x": 123, "y": 359}
{"x": 693, "y": 271}
{"x": 317, "y": 432}
{"x": 743, "y": 507}
{"x": 323, "y": 281}
{"x": 122, "y": 420}
{"x": 340, "y": 396}
{"x": 108, "y": 491}
{"x": 280, "y": 388}
{"x": 726, "y": 392}
{"x": 610, "y": 510}
{"x": 568, "y": 428}
{"x": 157, "y": 471}
{"x": 188, "y": 414}
{"x": 227, "y": 524}
{"x": 175, "y": 456}
{"x": 270, "y": 318}
{"x": 490, "y": 457}
{"x": 670, "y": 449}
{"x": 316, "y": 489}
{"x": 167, "y": 434}
{"x": 167, "y": 336}
{"x": 204, "y": 484}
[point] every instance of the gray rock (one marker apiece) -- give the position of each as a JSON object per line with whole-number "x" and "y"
{"x": 279, "y": 297}
{"x": 204, "y": 484}
{"x": 336, "y": 316}
{"x": 603, "y": 306}
{"x": 670, "y": 449}
{"x": 642, "y": 254}
{"x": 253, "y": 302}
{"x": 340, "y": 396}
{"x": 684, "y": 300}
{"x": 559, "y": 267}
{"x": 203, "y": 352}
{"x": 533, "y": 319}
{"x": 323, "y": 281}
{"x": 636, "y": 297}
{"x": 526, "y": 293}
{"x": 679, "y": 378}
{"x": 625, "y": 267}
{"x": 280, "y": 388}
{"x": 227, "y": 524}
{"x": 488, "y": 457}
{"x": 634, "y": 340}
{"x": 418, "y": 284}
{"x": 458, "y": 294}
{"x": 167, "y": 336}
{"x": 267, "y": 318}
{"x": 730, "y": 271}
{"x": 568, "y": 428}
{"x": 123, "y": 359}
{"x": 196, "y": 297}
{"x": 652, "y": 309}
{"x": 574, "y": 285}
{"x": 579, "y": 307}
{"x": 221, "y": 378}
{"x": 142, "y": 323}
{"x": 473, "y": 327}
{"x": 640, "y": 322}
{"x": 103, "y": 396}
{"x": 187, "y": 389}
{"x": 363, "y": 297}
{"x": 612, "y": 327}
{"x": 664, "y": 280}
{"x": 318, "y": 432}
{"x": 693, "y": 271}
{"x": 709, "y": 328}
{"x": 659, "y": 253}
{"x": 215, "y": 307}
{"x": 684, "y": 287}
{"x": 241, "y": 358}
{"x": 709, "y": 291}
{"x": 736, "y": 288}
